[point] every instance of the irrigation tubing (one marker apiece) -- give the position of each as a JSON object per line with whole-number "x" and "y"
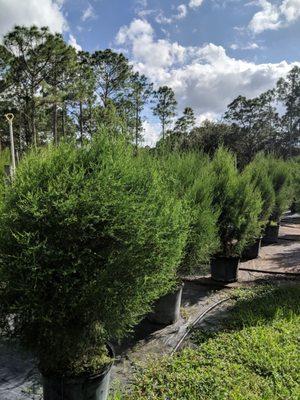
{"x": 205, "y": 312}
{"x": 263, "y": 271}
{"x": 289, "y": 239}
{"x": 198, "y": 319}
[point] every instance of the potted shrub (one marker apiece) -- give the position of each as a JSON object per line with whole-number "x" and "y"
{"x": 258, "y": 175}
{"x": 190, "y": 179}
{"x": 89, "y": 238}
{"x": 295, "y": 171}
{"x": 279, "y": 172}
{"x": 239, "y": 205}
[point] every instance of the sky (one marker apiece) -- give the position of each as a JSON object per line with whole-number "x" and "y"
{"x": 208, "y": 51}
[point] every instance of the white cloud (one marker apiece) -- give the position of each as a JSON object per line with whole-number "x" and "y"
{"x": 248, "y": 46}
{"x": 158, "y": 54}
{"x": 73, "y": 42}
{"x": 152, "y": 132}
{"x": 274, "y": 16}
{"x": 203, "y": 77}
{"x": 267, "y": 18}
{"x": 195, "y": 3}
{"x": 162, "y": 19}
{"x": 182, "y": 11}
{"x": 141, "y": 3}
{"x": 88, "y": 13}
{"x": 290, "y": 9}
{"x": 31, "y": 12}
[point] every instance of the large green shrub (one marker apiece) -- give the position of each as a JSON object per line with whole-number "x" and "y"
{"x": 295, "y": 171}
{"x": 189, "y": 177}
{"x": 239, "y": 204}
{"x": 4, "y": 160}
{"x": 89, "y": 238}
{"x": 258, "y": 175}
{"x": 280, "y": 174}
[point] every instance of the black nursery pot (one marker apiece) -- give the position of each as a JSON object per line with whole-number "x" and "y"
{"x": 251, "y": 252}
{"x": 167, "y": 308}
{"x": 225, "y": 269}
{"x": 93, "y": 387}
{"x": 271, "y": 234}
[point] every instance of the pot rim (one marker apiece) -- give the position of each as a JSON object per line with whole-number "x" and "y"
{"x": 216, "y": 257}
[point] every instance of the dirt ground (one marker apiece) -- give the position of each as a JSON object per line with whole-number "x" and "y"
{"x": 19, "y": 379}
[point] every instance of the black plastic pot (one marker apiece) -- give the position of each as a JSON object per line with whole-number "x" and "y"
{"x": 225, "y": 269}
{"x": 251, "y": 252}
{"x": 94, "y": 387}
{"x": 167, "y": 308}
{"x": 271, "y": 234}
{"x": 294, "y": 207}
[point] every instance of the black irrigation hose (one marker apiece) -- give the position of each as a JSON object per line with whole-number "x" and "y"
{"x": 289, "y": 239}
{"x": 204, "y": 313}
{"x": 263, "y": 271}
{"x": 201, "y": 316}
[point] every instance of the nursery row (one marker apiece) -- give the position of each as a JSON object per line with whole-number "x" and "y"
{"x": 91, "y": 237}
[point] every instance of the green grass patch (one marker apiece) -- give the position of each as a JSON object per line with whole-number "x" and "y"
{"x": 255, "y": 355}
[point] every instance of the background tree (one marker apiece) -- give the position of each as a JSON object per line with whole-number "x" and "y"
{"x": 62, "y": 66}
{"x": 288, "y": 91}
{"x": 187, "y": 122}
{"x": 165, "y": 106}
{"x": 112, "y": 72}
{"x": 255, "y": 122}
{"x": 30, "y": 52}
{"x": 140, "y": 92}
{"x": 83, "y": 94}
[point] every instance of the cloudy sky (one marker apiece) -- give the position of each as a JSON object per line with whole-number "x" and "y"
{"x": 208, "y": 51}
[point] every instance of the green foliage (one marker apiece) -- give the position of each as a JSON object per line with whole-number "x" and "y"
{"x": 89, "y": 238}
{"x": 256, "y": 360}
{"x": 4, "y": 160}
{"x": 190, "y": 178}
{"x": 238, "y": 202}
{"x": 258, "y": 175}
{"x": 295, "y": 170}
{"x": 280, "y": 174}
{"x": 165, "y": 106}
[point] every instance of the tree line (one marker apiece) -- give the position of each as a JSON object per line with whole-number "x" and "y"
{"x": 56, "y": 92}
{"x": 269, "y": 122}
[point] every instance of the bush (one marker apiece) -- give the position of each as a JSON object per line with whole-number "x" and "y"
{"x": 89, "y": 238}
{"x": 295, "y": 170}
{"x": 280, "y": 174}
{"x": 4, "y": 160}
{"x": 258, "y": 175}
{"x": 239, "y": 205}
{"x": 190, "y": 178}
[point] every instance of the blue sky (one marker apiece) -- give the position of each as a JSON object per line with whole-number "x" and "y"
{"x": 209, "y": 51}
{"x": 217, "y": 21}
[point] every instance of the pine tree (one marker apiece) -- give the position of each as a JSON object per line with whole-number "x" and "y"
{"x": 165, "y": 106}
{"x": 140, "y": 91}
{"x": 112, "y": 72}
{"x": 30, "y": 52}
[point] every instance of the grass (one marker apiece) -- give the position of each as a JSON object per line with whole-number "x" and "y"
{"x": 255, "y": 355}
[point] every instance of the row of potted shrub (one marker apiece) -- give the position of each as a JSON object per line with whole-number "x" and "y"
{"x": 91, "y": 237}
